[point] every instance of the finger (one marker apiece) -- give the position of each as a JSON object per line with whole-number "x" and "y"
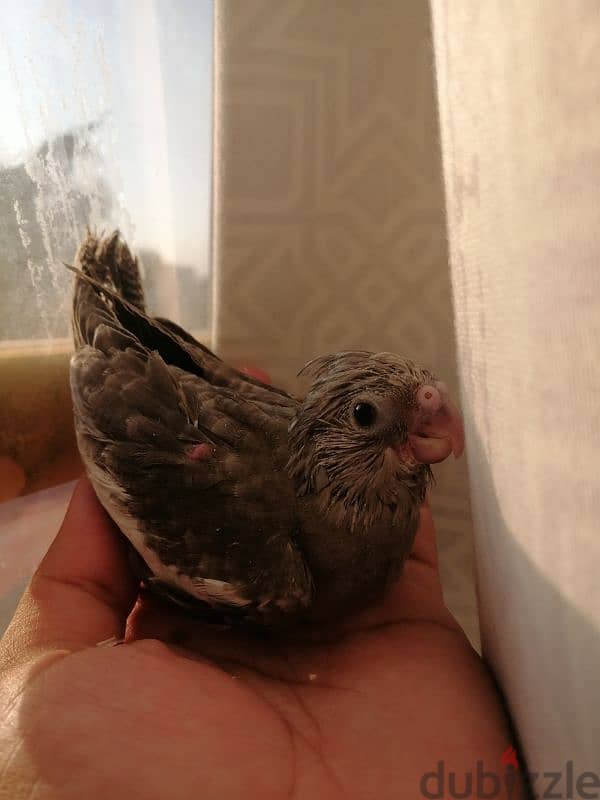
{"x": 83, "y": 589}
{"x": 425, "y": 547}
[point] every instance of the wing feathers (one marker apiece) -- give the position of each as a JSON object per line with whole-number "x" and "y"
{"x": 145, "y": 393}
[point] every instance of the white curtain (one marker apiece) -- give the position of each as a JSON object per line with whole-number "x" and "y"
{"x": 519, "y": 93}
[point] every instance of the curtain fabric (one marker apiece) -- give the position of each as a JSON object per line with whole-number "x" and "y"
{"x": 519, "y": 92}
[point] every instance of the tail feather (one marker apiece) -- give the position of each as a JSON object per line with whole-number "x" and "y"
{"x": 109, "y": 262}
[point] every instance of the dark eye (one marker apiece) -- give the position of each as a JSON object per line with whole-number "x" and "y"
{"x": 365, "y": 414}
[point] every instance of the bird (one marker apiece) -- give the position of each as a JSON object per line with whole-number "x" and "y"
{"x": 244, "y": 504}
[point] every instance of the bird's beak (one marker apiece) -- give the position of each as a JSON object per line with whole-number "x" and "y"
{"x": 438, "y": 436}
{"x": 439, "y": 430}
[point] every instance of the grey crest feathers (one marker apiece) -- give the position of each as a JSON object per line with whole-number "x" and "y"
{"x": 240, "y": 501}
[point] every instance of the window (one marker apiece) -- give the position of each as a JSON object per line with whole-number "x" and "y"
{"x": 106, "y": 122}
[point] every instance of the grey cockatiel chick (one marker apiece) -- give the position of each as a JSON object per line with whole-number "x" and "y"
{"x": 241, "y": 501}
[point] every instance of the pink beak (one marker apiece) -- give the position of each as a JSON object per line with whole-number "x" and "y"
{"x": 439, "y": 431}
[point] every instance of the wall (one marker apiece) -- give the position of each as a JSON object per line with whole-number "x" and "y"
{"x": 329, "y": 207}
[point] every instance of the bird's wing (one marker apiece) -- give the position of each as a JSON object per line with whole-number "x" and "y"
{"x": 194, "y": 478}
{"x": 186, "y": 454}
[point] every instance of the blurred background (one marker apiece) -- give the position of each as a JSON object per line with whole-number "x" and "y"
{"x": 311, "y": 219}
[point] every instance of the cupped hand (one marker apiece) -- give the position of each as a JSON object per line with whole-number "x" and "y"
{"x": 361, "y": 709}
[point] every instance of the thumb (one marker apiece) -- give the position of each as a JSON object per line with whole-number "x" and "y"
{"x": 83, "y": 589}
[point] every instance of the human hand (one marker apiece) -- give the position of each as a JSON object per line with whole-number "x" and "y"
{"x": 360, "y": 709}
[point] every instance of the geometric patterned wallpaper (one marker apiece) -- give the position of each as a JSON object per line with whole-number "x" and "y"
{"x": 329, "y": 227}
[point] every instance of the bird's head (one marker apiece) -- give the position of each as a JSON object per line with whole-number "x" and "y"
{"x": 368, "y": 429}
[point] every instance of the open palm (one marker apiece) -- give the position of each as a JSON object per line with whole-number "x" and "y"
{"x": 360, "y": 709}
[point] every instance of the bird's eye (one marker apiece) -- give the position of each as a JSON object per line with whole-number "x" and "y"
{"x": 364, "y": 414}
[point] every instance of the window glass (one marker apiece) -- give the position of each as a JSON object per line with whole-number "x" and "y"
{"x": 106, "y": 121}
